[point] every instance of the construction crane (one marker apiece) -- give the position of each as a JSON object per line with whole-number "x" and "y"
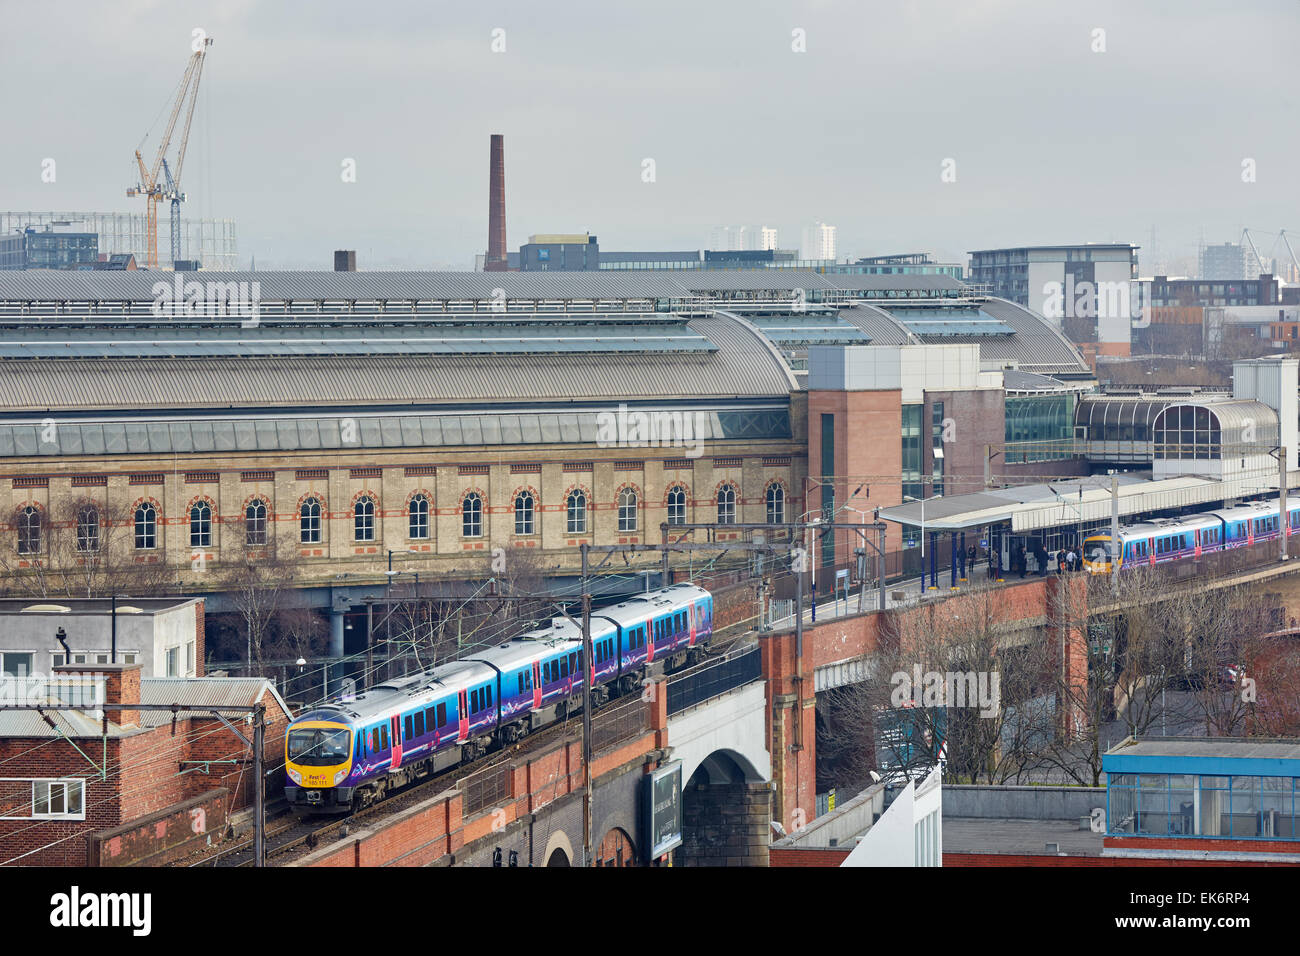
{"x": 149, "y": 186}
{"x": 1259, "y": 260}
{"x": 1294, "y": 261}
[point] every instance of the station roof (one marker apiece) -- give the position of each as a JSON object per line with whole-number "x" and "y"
{"x": 1008, "y": 335}
{"x": 1066, "y": 502}
{"x": 727, "y": 358}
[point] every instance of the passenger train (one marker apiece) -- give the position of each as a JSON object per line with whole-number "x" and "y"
{"x": 347, "y": 754}
{"x": 1175, "y": 539}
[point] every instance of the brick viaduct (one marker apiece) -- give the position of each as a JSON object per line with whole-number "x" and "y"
{"x": 533, "y": 805}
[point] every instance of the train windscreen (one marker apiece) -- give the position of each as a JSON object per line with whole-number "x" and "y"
{"x": 319, "y": 746}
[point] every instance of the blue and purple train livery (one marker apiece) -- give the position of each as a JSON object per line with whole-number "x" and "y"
{"x": 350, "y": 752}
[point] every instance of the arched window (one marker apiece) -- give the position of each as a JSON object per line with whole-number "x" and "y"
{"x": 418, "y": 517}
{"x": 29, "y": 530}
{"x": 627, "y": 510}
{"x": 677, "y": 505}
{"x": 255, "y": 523}
{"x": 146, "y": 526}
{"x": 727, "y": 504}
{"x": 363, "y": 519}
{"x": 775, "y": 504}
{"x": 524, "y": 513}
{"x": 88, "y": 528}
{"x": 309, "y": 521}
{"x": 471, "y": 516}
{"x": 200, "y": 525}
{"x": 576, "y": 506}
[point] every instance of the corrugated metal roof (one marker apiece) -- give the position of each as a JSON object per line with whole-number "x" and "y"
{"x": 196, "y": 693}
{"x": 1037, "y": 346}
{"x": 273, "y": 286}
{"x": 872, "y": 283}
{"x": 744, "y": 364}
{"x": 192, "y": 693}
{"x": 438, "y": 337}
{"x": 721, "y": 280}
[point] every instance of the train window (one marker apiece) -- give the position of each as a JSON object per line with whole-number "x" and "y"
{"x": 564, "y": 667}
{"x": 573, "y": 663}
{"x": 442, "y": 715}
{"x": 419, "y": 723}
{"x": 474, "y": 707}
{"x": 489, "y": 695}
{"x": 521, "y": 681}
{"x": 410, "y": 727}
{"x": 528, "y": 680}
{"x": 383, "y": 736}
{"x": 374, "y": 741}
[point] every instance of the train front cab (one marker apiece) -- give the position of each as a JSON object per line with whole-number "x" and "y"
{"x": 317, "y": 758}
{"x": 1097, "y": 553}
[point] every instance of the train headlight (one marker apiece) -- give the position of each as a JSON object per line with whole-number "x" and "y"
{"x": 295, "y": 776}
{"x": 340, "y": 776}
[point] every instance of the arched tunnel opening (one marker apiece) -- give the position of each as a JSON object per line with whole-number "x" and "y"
{"x": 726, "y": 815}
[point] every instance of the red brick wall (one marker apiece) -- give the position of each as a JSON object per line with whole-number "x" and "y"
{"x": 63, "y": 840}
{"x": 143, "y": 778}
{"x": 1221, "y": 845}
{"x": 200, "y": 640}
{"x": 792, "y": 856}
{"x": 161, "y": 837}
{"x": 868, "y": 442}
{"x": 437, "y": 827}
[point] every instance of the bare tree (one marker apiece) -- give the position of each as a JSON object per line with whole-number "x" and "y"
{"x": 256, "y": 582}
{"x": 85, "y": 549}
{"x": 946, "y": 680}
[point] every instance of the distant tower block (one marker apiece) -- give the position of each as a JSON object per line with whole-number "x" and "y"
{"x": 345, "y": 260}
{"x": 496, "y": 254}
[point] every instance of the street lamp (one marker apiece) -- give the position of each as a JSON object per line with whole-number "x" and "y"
{"x": 921, "y": 502}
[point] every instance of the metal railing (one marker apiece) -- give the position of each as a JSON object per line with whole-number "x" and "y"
{"x": 714, "y": 680}
{"x": 619, "y": 723}
{"x": 486, "y": 788}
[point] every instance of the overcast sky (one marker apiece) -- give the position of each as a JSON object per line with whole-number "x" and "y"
{"x": 1052, "y": 142}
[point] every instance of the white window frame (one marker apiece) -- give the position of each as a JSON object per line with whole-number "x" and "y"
{"x": 173, "y": 669}
{"x": 31, "y": 668}
{"x": 189, "y": 659}
{"x": 69, "y": 785}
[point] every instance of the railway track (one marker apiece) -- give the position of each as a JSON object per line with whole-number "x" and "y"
{"x": 288, "y": 837}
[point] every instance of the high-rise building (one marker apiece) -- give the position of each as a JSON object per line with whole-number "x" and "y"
{"x": 1224, "y": 261}
{"x": 47, "y": 249}
{"x": 742, "y": 238}
{"x": 818, "y": 242}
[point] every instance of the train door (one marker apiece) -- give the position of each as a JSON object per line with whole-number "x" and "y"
{"x": 537, "y": 684}
{"x": 395, "y": 729}
{"x": 1250, "y": 531}
{"x": 649, "y": 630}
{"x": 1197, "y": 541}
{"x": 462, "y": 732}
{"x": 689, "y": 611}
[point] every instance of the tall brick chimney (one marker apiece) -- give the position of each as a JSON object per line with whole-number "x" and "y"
{"x": 496, "y": 253}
